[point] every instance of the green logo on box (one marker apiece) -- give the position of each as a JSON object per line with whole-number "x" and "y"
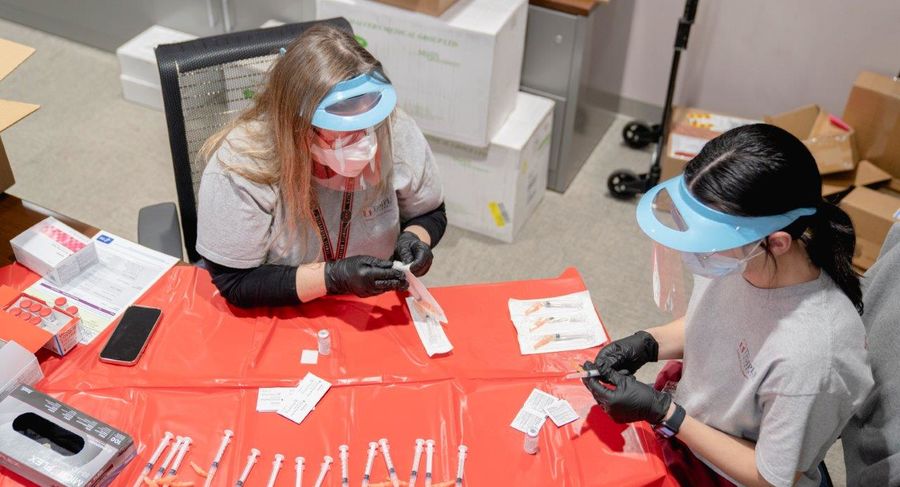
{"x": 362, "y": 42}
{"x": 248, "y": 93}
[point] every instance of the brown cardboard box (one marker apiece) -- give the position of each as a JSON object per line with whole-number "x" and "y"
{"x": 873, "y": 213}
{"x": 11, "y": 56}
{"x": 865, "y": 174}
{"x": 690, "y": 129}
{"x": 830, "y": 141}
{"x": 430, "y": 7}
{"x": 873, "y": 110}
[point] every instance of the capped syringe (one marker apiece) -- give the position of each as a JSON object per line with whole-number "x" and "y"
{"x": 218, "y": 458}
{"x": 153, "y": 458}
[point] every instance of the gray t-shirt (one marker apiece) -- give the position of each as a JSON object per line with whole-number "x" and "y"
{"x": 872, "y": 437}
{"x": 241, "y": 224}
{"x": 784, "y": 368}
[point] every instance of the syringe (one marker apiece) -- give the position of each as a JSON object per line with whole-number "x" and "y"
{"x": 429, "y": 458}
{"x": 460, "y": 466}
{"x": 345, "y": 467}
{"x": 373, "y": 450}
{"x": 251, "y": 460}
{"x": 552, "y": 304}
{"x": 420, "y": 443}
{"x": 583, "y": 374}
{"x": 153, "y": 458}
{"x": 165, "y": 464}
{"x": 555, "y": 337}
{"x": 218, "y": 458}
{"x": 298, "y": 469}
{"x": 185, "y": 445}
{"x": 276, "y": 466}
{"x": 326, "y": 465}
{"x": 386, "y": 451}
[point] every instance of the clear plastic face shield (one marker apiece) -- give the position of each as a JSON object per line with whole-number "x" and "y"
{"x": 344, "y": 136}
{"x": 691, "y": 238}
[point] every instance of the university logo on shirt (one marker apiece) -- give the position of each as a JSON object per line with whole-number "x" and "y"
{"x": 377, "y": 208}
{"x": 747, "y": 368}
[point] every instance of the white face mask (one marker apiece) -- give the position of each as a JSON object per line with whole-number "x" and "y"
{"x": 717, "y": 265}
{"x": 350, "y": 160}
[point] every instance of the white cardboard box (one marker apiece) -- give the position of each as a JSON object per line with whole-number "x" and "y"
{"x": 457, "y": 74}
{"x": 142, "y": 92}
{"x": 137, "y": 57}
{"x": 17, "y": 366}
{"x": 493, "y": 191}
{"x": 54, "y": 250}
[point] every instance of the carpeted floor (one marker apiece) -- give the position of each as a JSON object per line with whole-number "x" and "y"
{"x": 90, "y": 154}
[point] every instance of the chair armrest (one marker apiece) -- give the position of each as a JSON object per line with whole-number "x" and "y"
{"x": 158, "y": 229}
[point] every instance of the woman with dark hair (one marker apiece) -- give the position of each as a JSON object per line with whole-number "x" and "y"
{"x": 773, "y": 347}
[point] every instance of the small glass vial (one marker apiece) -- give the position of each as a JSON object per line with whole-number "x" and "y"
{"x": 531, "y": 440}
{"x": 324, "y": 342}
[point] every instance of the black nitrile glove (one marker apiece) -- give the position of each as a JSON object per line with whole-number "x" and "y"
{"x": 362, "y": 275}
{"x": 628, "y": 354}
{"x": 411, "y": 250}
{"x": 631, "y": 400}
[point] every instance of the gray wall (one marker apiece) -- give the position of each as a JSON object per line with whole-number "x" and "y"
{"x": 748, "y": 58}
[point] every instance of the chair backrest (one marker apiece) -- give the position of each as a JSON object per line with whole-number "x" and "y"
{"x": 205, "y": 84}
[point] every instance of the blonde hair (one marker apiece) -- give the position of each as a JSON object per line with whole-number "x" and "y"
{"x": 278, "y": 123}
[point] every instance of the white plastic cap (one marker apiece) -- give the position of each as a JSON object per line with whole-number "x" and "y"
{"x": 463, "y": 448}
{"x": 343, "y": 448}
{"x": 299, "y": 461}
{"x": 420, "y": 442}
{"x": 279, "y": 457}
{"x": 328, "y": 460}
{"x": 229, "y": 433}
{"x": 254, "y": 452}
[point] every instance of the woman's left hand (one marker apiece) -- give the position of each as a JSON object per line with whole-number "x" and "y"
{"x": 411, "y": 250}
{"x": 629, "y": 400}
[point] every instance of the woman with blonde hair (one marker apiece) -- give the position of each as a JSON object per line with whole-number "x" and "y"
{"x": 318, "y": 186}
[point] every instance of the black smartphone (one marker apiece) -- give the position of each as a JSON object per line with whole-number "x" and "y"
{"x": 128, "y": 340}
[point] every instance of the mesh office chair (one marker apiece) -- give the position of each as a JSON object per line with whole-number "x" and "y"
{"x": 205, "y": 84}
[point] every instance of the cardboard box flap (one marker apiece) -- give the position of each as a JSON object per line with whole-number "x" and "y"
{"x": 12, "y": 55}
{"x": 13, "y": 111}
{"x": 799, "y": 122}
{"x": 865, "y": 174}
{"x": 873, "y": 213}
{"x": 873, "y": 110}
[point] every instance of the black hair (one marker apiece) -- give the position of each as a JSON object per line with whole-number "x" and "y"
{"x": 760, "y": 170}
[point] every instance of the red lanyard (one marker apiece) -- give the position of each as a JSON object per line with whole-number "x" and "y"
{"x": 344, "y": 232}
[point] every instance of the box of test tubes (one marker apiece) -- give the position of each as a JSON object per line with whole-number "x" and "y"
{"x": 54, "y": 250}
{"x": 51, "y": 443}
{"x": 34, "y": 323}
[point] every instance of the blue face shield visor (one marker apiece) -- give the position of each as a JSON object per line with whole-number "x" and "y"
{"x": 690, "y": 237}
{"x": 356, "y": 104}
{"x": 671, "y": 216}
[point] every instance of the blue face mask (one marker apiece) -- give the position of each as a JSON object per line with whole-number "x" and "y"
{"x": 717, "y": 265}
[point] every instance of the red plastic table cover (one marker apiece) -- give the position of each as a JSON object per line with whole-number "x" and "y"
{"x": 201, "y": 370}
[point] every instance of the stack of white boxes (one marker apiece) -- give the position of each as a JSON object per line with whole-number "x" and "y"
{"x": 458, "y": 76}
{"x": 137, "y": 63}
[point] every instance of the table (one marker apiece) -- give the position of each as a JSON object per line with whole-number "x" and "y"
{"x": 17, "y": 215}
{"x": 201, "y": 370}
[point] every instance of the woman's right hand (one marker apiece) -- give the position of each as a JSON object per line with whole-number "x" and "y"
{"x": 628, "y": 354}
{"x": 363, "y": 275}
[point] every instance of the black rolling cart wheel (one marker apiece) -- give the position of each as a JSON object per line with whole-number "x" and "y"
{"x": 638, "y": 135}
{"x": 622, "y": 184}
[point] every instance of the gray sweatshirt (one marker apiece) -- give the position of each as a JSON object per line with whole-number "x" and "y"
{"x": 872, "y": 437}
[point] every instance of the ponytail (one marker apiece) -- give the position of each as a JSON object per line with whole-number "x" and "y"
{"x": 830, "y": 243}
